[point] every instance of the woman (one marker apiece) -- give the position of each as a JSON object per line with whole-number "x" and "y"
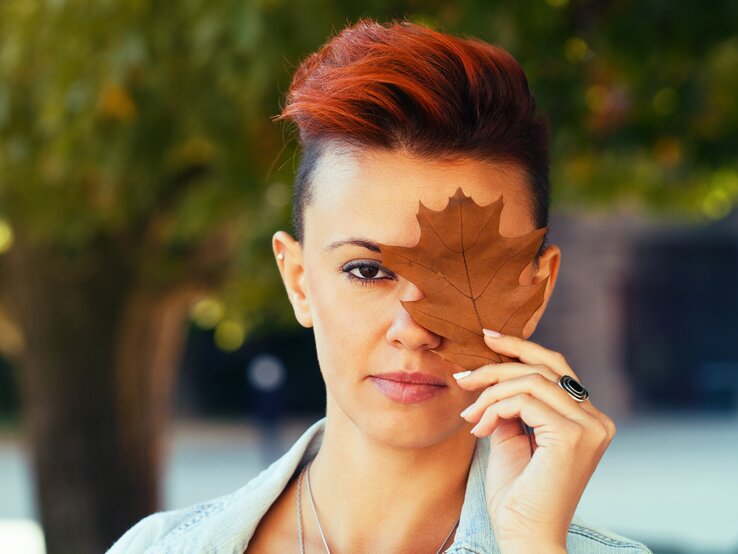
{"x": 390, "y": 116}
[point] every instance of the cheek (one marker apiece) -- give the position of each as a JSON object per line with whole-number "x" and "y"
{"x": 349, "y": 321}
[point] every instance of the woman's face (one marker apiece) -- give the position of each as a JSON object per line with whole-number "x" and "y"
{"x": 352, "y": 301}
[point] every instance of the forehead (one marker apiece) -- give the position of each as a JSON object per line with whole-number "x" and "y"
{"x": 375, "y": 194}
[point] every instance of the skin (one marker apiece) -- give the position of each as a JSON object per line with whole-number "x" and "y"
{"x": 391, "y": 477}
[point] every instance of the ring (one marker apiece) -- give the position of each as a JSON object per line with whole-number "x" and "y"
{"x": 574, "y": 388}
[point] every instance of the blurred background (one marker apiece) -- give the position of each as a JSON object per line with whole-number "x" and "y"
{"x": 149, "y": 358}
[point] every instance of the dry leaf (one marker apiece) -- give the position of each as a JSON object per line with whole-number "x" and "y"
{"x": 470, "y": 275}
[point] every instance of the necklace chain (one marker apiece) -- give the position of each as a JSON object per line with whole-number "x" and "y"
{"x": 305, "y": 471}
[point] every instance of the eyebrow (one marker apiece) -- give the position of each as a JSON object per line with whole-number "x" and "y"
{"x": 355, "y": 241}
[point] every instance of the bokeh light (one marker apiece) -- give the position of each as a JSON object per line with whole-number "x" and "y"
{"x": 6, "y": 236}
{"x": 229, "y": 335}
{"x": 207, "y": 312}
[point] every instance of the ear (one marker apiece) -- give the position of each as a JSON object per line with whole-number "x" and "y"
{"x": 548, "y": 266}
{"x": 288, "y": 253}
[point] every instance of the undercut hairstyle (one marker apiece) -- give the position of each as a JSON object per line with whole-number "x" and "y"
{"x": 402, "y": 85}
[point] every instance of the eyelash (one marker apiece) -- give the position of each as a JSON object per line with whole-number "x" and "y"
{"x": 346, "y": 269}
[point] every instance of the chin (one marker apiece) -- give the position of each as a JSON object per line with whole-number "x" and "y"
{"x": 401, "y": 426}
{"x": 407, "y": 438}
{"x": 395, "y": 424}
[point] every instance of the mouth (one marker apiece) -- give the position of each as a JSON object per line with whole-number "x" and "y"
{"x": 414, "y": 377}
{"x": 408, "y": 387}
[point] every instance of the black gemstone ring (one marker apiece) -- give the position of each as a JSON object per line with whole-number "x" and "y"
{"x": 572, "y": 386}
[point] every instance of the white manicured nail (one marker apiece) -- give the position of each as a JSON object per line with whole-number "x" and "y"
{"x": 461, "y": 374}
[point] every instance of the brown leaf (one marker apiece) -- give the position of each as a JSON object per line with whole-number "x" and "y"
{"x": 470, "y": 275}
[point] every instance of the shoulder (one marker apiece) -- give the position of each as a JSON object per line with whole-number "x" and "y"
{"x": 584, "y": 538}
{"x": 151, "y": 533}
{"x": 225, "y": 523}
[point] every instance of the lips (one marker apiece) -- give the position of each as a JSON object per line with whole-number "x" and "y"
{"x": 417, "y": 377}
{"x": 408, "y": 387}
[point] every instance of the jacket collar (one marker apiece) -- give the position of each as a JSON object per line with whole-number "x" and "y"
{"x": 252, "y": 501}
{"x": 227, "y": 523}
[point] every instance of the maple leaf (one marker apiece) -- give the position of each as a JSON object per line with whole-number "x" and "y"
{"x": 469, "y": 274}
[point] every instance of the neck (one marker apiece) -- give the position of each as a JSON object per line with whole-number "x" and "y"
{"x": 374, "y": 497}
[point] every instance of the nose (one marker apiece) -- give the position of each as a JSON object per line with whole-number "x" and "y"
{"x": 404, "y": 331}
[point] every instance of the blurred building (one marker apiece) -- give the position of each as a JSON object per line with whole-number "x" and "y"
{"x": 645, "y": 311}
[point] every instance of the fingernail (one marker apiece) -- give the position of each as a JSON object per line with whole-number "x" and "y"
{"x": 491, "y": 333}
{"x": 466, "y": 410}
{"x": 474, "y": 428}
{"x": 461, "y": 374}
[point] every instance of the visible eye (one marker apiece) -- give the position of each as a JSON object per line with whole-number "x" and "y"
{"x": 365, "y": 272}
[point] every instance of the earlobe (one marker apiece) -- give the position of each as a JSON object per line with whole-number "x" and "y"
{"x": 288, "y": 253}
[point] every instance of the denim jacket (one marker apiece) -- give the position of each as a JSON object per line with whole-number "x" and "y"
{"x": 227, "y": 523}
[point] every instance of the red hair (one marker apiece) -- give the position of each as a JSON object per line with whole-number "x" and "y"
{"x": 437, "y": 95}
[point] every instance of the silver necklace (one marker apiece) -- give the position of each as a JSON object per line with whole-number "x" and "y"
{"x": 315, "y": 513}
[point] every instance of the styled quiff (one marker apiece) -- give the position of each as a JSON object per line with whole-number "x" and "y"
{"x": 402, "y": 85}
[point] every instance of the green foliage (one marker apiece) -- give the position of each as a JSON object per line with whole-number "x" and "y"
{"x": 149, "y": 122}
{"x": 641, "y": 96}
{"x": 116, "y": 111}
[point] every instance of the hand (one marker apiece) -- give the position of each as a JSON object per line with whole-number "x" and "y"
{"x": 531, "y": 500}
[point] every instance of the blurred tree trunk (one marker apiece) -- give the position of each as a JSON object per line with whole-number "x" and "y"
{"x": 96, "y": 375}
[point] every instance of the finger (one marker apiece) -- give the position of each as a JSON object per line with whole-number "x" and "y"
{"x": 529, "y": 352}
{"x": 491, "y": 374}
{"x": 537, "y": 386}
{"x": 533, "y": 412}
